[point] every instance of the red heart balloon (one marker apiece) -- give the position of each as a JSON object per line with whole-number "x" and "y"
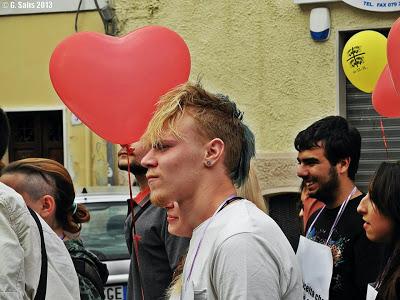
{"x": 385, "y": 100}
{"x": 393, "y": 53}
{"x": 112, "y": 84}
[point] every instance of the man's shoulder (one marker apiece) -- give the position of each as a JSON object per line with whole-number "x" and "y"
{"x": 245, "y": 217}
{"x": 11, "y": 199}
{"x": 244, "y": 209}
{"x": 351, "y": 213}
{"x": 350, "y": 218}
{"x": 356, "y": 200}
{"x": 14, "y": 210}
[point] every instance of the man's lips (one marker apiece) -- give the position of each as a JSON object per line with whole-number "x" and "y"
{"x": 151, "y": 177}
{"x": 310, "y": 184}
{"x": 124, "y": 151}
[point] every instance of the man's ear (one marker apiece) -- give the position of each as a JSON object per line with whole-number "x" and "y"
{"x": 214, "y": 152}
{"x": 343, "y": 165}
{"x": 48, "y": 206}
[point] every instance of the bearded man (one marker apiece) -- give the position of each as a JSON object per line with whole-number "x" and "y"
{"x": 328, "y": 157}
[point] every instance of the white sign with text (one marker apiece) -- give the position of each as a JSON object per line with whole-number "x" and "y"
{"x": 375, "y": 5}
{"x": 371, "y": 5}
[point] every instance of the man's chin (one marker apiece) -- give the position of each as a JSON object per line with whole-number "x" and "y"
{"x": 158, "y": 200}
{"x": 123, "y": 167}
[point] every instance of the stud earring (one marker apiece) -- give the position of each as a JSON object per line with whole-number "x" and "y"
{"x": 208, "y": 163}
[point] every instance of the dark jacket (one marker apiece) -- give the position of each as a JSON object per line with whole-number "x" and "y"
{"x": 92, "y": 273}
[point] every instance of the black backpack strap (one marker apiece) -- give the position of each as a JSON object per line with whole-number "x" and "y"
{"x": 84, "y": 268}
{"x": 41, "y": 290}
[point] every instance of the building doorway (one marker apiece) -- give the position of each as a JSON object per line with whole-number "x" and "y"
{"x": 36, "y": 134}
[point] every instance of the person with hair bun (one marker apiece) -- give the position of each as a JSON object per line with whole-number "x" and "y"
{"x": 47, "y": 188}
{"x": 380, "y": 210}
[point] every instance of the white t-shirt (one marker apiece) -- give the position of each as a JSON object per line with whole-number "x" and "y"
{"x": 243, "y": 255}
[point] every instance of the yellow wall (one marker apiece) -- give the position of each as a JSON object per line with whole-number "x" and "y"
{"x": 261, "y": 54}
{"x": 27, "y": 42}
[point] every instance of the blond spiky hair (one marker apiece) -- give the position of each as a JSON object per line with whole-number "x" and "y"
{"x": 216, "y": 117}
{"x": 169, "y": 109}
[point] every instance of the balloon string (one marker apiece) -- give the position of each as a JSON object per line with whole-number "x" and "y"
{"x": 384, "y": 138}
{"x": 128, "y": 150}
{"x": 135, "y": 238}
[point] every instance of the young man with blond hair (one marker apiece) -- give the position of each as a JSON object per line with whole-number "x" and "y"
{"x": 200, "y": 150}
{"x": 157, "y": 253}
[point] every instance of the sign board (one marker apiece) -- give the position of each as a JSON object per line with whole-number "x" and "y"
{"x": 371, "y": 5}
{"x": 21, "y": 7}
{"x": 375, "y": 5}
{"x": 314, "y": 1}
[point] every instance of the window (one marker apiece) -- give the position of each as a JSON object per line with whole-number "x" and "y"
{"x": 104, "y": 235}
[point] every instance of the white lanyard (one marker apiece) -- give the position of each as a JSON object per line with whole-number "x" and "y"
{"x": 210, "y": 220}
{"x": 378, "y": 283}
{"x": 338, "y": 216}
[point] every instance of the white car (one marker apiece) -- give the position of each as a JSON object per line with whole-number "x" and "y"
{"x": 104, "y": 235}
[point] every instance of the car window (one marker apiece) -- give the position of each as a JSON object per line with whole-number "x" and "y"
{"x": 104, "y": 233}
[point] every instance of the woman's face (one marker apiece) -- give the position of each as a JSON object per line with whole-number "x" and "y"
{"x": 378, "y": 227}
{"x": 176, "y": 222}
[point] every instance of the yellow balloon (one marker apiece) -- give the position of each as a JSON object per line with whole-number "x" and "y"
{"x": 364, "y": 58}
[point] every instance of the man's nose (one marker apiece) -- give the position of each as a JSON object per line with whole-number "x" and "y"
{"x": 148, "y": 161}
{"x": 302, "y": 171}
